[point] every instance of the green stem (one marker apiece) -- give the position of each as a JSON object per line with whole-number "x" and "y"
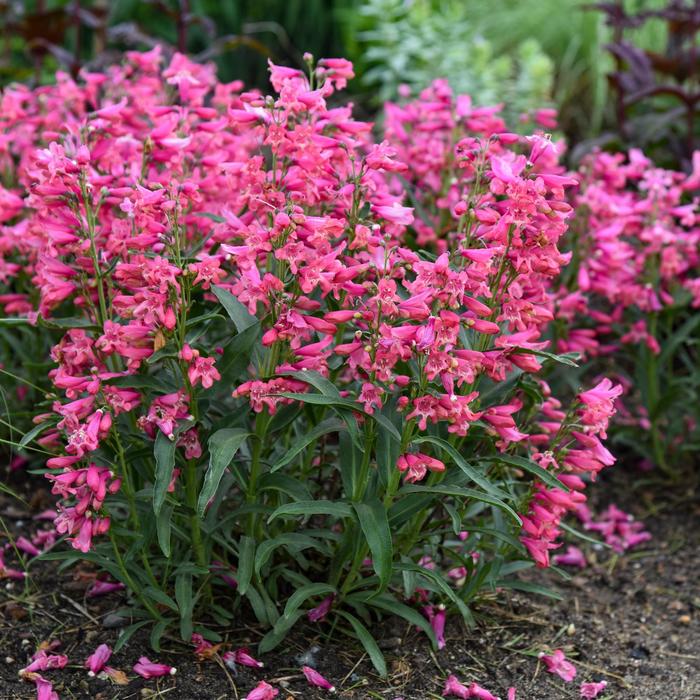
{"x": 262, "y": 421}
{"x": 191, "y": 494}
{"x": 136, "y": 590}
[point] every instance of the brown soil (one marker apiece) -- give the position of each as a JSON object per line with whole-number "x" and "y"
{"x": 633, "y": 620}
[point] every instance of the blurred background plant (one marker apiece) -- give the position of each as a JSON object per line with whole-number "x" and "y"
{"x": 413, "y": 43}
{"x": 655, "y": 78}
{"x": 40, "y": 36}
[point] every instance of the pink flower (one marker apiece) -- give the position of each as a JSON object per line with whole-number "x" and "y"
{"x": 147, "y": 669}
{"x": 41, "y": 661}
{"x": 315, "y": 678}
{"x": 100, "y": 588}
{"x": 557, "y": 663}
{"x": 395, "y": 213}
{"x": 98, "y": 659}
{"x": 453, "y": 688}
{"x": 242, "y": 657}
{"x": 592, "y": 690}
{"x": 320, "y": 611}
{"x": 511, "y": 693}
{"x": 44, "y": 689}
{"x": 416, "y": 465}
{"x": 572, "y": 557}
{"x": 437, "y": 622}
{"x": 476, "y": 691}
{"x": 262, "y": 691}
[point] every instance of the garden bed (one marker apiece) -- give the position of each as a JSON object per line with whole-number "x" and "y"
{"x": 631, "y": 620}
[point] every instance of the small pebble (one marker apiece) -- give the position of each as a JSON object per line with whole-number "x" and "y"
{"x": 684, "y": 619}
{"x": 9, "y": 660}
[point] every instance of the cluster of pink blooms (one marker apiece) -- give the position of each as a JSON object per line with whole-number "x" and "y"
{"x": 638, "y": 252}
{"x": 556, "y": 663}
{"x": 117, "y": 172}
{"x": 619, "y": 529}
{"x": 637, "y": 256}
{"x": 583, "y": 453}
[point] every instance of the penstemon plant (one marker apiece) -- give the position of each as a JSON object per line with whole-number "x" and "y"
{"x": 298, "y": 371}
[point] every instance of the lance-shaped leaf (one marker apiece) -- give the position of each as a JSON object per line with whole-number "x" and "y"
{"x": 223, "y": 445}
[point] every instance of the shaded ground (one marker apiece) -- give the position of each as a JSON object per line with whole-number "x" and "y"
{"x": 633, "y": 620}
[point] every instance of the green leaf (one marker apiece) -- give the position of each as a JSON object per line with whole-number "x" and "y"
{"x": 295, "y": 489}
{"x": 214, "y": 217}
{"x": 528, "y": 588}
{"x": 238, "y": 313}
{"x": 564, "y": 359}
{"x": 320, "y": 507}
{"x": 14, "y": 321}
{"x": 158, "y": 631}
{"x": 331, "y": 425}
{"x": 295, "y": 540}
{"x": 529, "y": 466}
{"x": 185, "y": 602}
{"x": 164, "y": 451}
{"x": 462, "y": 464}
{"x": 163, "y": 527}
{"x": 301, "y": 595}
{"x": 318, "y": 381}
{"x": 278, "y": 632}
{"x": 389, "y": 603}
{"x": 367, "y": 641}
{"x": 223, "y": 445}
{"x": 160, "y": 597}
{"x": 246, "y": 560}
{"x": 678, "y": 338}
{"x": 237, "y": 353}
{"x": 127, "y": 633}
{"x": 582, "y": 535}
{"x": 372, "y": 516}
{"x": 339, "y": 402}
{"x": 31, "y": 434}
{"x": 461, "y": 492}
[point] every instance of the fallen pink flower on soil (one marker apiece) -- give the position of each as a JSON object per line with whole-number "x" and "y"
{"x": 147, "y": 669}
{"x": 315, "y": 678}
{"x": 100, "y": 588}
{"x": 572, "y": 557}
{"x": 453, "y": 688}
{"x": 557, "y": 663}
{"x": 44, "y": 689}
{"x": 476, "y": 691}
{"x": 592, "y": 690}
{"x": 242, "y": 657}
{"x": 262, "y": 691}
{"x": 97, "y": 660}
{"x": 41, "y": 661}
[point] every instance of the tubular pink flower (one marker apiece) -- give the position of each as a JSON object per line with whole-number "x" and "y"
{"x": 242, "y": 656}
{"x": 476, "y": 691}
{"x": 147, "y": 669}
{"x": 453, "y": 688}
{"x": 592, "y": 690}
{"x": 556, "y": 663}
{"x": 262, "y": 691}
{"x": 98, "y": 659}
{"x": 316, "y": 679}
{"x": 44, "y": 689}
